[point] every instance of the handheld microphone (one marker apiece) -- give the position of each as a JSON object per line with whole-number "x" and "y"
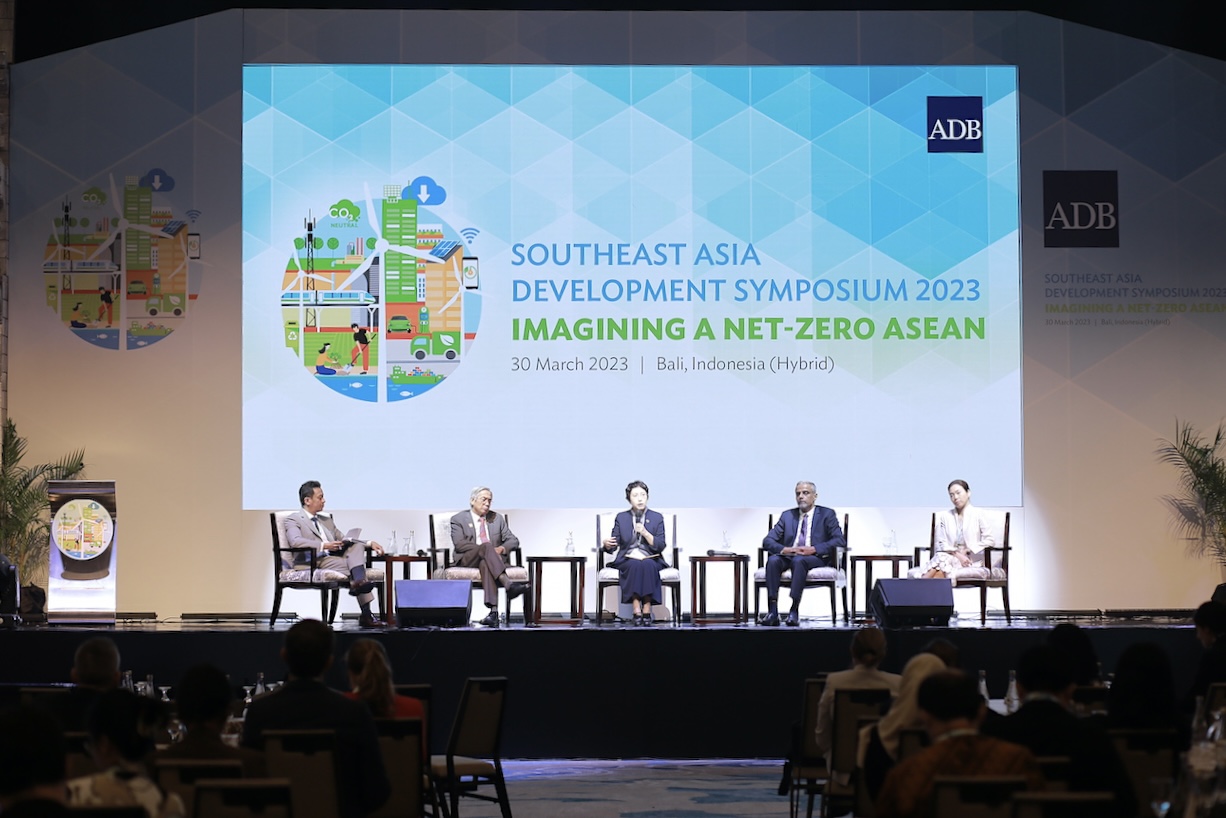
{"x": 638, "y": 519}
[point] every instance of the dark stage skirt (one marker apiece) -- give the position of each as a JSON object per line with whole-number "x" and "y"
{"x": 641, "y": 578}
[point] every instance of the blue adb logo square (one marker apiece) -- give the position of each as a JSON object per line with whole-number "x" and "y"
{"x": 955, "y": 125}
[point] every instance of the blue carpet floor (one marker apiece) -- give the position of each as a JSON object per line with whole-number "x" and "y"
{"x": 639, "y": 789}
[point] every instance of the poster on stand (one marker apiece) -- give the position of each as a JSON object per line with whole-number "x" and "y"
{"x": 84, "y": 543}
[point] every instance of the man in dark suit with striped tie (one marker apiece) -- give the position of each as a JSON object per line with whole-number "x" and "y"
{"x": 806, "y": 537}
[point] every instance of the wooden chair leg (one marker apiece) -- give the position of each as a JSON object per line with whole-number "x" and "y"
{"x": 323, "y": 605}
{"x": 846, "y": 615}
{"x": 834, "y": 608}
{"x": 983, "y": 604}
{"x": 276, "y": 606}
{"x": 336, "y": 598}
{"x": 1004, "y": 595}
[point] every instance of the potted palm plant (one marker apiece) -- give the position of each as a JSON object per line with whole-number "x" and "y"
{"x": 1198, "y": 511}
{"x": 25, "y": 525}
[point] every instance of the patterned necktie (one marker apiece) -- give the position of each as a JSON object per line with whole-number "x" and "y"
{"x": 485, "y": 532}
{"x": 800, "y": 536}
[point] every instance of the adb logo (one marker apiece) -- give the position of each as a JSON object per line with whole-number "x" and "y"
{"x": 955, "y": 124}
{"x": 1081, "y": 208}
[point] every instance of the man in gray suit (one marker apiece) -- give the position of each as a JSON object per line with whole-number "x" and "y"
{"x": 309, "y": 530}
{"x": 481, "y": 539}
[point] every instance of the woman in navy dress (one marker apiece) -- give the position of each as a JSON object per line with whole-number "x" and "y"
{"x": 638, "y": 536}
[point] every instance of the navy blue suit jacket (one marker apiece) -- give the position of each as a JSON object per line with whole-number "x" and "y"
{"x": 623, "y": 532}
{"x": 825, "y": 533}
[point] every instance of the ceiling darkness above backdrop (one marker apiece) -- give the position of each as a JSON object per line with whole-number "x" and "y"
{"x": 43, "y": 28}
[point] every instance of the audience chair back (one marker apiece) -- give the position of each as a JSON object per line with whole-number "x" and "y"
{"x": 78, "y": 760}
{"x": 851, "y": 706}
{"x": 244, "y": 798}
{"x": 1049, "y": 804}
{"x": 607, "y": 577}
{"x": 473, "y": 756}
{"x": 808, "y": 765}
{"x": 1091, "y": 699}
{"x": 423, "y": 693}
{"x": 308, "y": 759}
{"x": 400, "y": 741}
{"x": 834, "y": 577}
{"x": 108, "y": 812}
{"x": 1055, "y": 771}
{"x": 1215, "y": 699}
{"x": 976, "y": 796}
{"x": 1147, "y": 754}
{"x": 37, "y": 695}
{"x": 179, "y": 776}
{"x": 442, "y": 560}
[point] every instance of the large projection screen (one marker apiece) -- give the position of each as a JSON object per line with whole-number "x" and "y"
{"x": 715, "y": 279}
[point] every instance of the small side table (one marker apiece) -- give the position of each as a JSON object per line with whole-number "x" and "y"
{"x": 578, "y": 577}
{"x": 867, "y": 561}
{"x": 740, "y": 589}
{"x": 389, "y": 582}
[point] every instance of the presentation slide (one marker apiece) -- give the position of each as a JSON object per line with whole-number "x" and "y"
{"x": 552, "y": 280}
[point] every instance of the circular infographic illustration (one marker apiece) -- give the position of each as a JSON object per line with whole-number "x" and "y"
{"x": 82, "y": 531}
{"x": 379, "y": 297}
{"x": 117, "y": 265}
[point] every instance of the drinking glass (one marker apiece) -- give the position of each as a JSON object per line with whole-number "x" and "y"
{"x": 165, "y": 692}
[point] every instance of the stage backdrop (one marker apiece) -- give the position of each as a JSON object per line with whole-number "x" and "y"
{"x": 646, "y": 268}
{"x": 136, "y": 249}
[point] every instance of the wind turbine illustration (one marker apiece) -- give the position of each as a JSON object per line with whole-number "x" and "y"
{"x": 121, "y": 224}
{"x": 382, "y": 245}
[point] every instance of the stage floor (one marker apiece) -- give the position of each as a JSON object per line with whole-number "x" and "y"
{"x": 718, "y": 691}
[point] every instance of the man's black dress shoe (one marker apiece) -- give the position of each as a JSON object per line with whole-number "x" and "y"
{"x": 362, "y": 588}
{"x": 793, "y": 620}
{"x": 516, "y": 590}
{"x": 491, "y": 620}
{"x": 771, "y": 620}
{"x": 369, "y": 621}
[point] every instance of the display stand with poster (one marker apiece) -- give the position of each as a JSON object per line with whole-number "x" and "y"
{"x": 84, "y": 543}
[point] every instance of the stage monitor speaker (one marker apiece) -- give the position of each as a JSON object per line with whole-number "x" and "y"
{"x": 912, "y": 603}
{"x": 441, "y": 603}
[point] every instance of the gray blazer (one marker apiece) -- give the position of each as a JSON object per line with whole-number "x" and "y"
{"x": 464, "y": 533}
{"x": 300, "y": 533}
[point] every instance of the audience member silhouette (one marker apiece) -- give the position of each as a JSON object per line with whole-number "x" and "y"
{"x": 121, "y": 727}
{"x": 952, "y": 711}
{"x": 370, "y": 682}
{"x": 95, "y": 670}
{"x": 1076, "y": 644}
{"x": 946, "y": 651}
{"x": 203, "y": 697}
{"x": 305, "y": 703}
{"x": 32, "y": 764}
{"x": 868, "y": 648}
{"x": 1046, "y": 725}
{"x": 1142, "y": 695}
{"x": 1210, "y": 622}
{"x": 877, "y": 752}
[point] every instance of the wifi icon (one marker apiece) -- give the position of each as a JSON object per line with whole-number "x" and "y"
{"x": 193, "y": 215}
{"x": 469, "y": 233}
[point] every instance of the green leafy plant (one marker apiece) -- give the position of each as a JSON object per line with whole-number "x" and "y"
{"x": 25, "y": 523}
{"x": 1199, "y": 509}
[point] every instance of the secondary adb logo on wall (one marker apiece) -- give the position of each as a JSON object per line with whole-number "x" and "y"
{"x": 955, "y": 124}
{"x": 1080, "y": 208}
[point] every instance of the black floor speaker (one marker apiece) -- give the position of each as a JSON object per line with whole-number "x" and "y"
{"x": 912, "y": 603}
{"x": 439, "y": 603}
